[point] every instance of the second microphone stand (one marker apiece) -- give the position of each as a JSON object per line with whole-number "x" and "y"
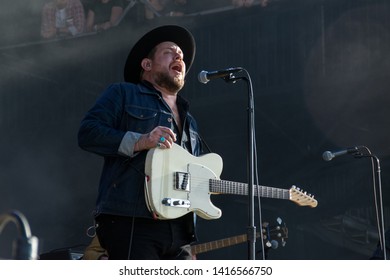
{"x": 377, "y": 191}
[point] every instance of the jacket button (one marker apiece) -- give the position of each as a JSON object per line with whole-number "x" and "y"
{"x": 169, "y": 119}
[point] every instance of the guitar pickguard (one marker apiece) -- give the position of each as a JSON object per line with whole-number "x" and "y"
{"x": 200, "y": 192}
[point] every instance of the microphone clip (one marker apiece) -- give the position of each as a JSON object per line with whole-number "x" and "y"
{"x": 358, "y": 154}
{"x": 231, "y": 78}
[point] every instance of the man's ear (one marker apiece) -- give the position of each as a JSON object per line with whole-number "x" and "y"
{"x": 146, "y": 64}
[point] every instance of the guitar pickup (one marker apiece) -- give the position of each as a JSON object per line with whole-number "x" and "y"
{"x": 182, "y": 181}
{"x": 175, "y": 202}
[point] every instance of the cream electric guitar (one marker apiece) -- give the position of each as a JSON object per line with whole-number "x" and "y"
{"x": 178, "y": 183}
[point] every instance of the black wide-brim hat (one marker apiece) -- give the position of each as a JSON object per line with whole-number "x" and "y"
{"x": 173, "y": 33}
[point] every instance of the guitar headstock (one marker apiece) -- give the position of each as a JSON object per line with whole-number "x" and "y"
{"x": 272, "y": 234}
{"x": 301, "y": 198}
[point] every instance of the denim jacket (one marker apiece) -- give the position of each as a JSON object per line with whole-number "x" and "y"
{"x": 110, "y": 128}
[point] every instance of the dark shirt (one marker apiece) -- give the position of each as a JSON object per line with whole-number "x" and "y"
{"x": 102, "y": 11}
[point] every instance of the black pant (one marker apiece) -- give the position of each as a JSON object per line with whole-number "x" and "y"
{"x": 144, "y": 239}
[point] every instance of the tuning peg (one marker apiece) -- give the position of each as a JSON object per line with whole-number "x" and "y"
{"x": 274, "y": 244}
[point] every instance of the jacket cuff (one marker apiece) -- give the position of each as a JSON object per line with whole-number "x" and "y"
{"x": 126, "y": 147}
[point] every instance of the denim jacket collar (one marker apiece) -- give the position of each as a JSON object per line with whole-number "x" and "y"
{"x": 147, "y": 87}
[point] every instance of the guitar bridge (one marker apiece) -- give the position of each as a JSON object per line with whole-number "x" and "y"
{"x": 175, "y": 202}
{"x": 182, "y": 181}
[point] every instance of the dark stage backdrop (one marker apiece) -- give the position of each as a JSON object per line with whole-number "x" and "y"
{"x": 320, "y": 73}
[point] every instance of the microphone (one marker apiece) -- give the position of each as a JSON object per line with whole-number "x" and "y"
{"x": 328, "y": 156}
{"x": 205, "y": 76}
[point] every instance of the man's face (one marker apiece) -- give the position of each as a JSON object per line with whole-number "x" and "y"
{"x": 168, "y": 67}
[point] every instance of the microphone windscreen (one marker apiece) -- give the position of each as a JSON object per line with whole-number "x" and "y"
{"x": 327, "y": 156}
{"x": 202, "y": 77}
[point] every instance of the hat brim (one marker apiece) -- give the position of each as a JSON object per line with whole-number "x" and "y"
{"x": 172, "y": 33}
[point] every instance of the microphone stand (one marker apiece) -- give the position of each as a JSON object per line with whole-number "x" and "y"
{"x": 251, "y": 231}
{"x": 380, "y": 216}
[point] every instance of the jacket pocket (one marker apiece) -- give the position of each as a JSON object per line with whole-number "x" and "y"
{"x": 141, "y": 119}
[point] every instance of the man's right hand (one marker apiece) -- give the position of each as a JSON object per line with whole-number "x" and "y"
{"x": 161, "y": 136}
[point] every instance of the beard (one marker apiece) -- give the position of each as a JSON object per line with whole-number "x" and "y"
{"x": 171, "y": 84}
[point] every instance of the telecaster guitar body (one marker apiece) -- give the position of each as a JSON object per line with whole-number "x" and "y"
{"x": 178, "y": 183}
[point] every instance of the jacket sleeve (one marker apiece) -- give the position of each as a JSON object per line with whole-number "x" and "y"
{"x": 100, "y": 131}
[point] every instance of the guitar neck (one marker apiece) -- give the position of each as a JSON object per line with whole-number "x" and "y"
{"x": 228, "y": 187}
{"x": 222, "y": 243}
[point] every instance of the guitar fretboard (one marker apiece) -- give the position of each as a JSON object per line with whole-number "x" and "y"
{"x": 228, "y": 187}
{"x": 222, "y": 243}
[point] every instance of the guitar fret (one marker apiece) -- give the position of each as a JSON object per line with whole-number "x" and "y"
{"x": 229, "y": 187}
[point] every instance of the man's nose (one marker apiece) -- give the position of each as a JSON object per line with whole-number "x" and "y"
{"x": 178, "y": 56}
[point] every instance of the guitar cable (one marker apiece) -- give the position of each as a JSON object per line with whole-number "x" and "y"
{"x": 131, "y": 238}
{"x": 258, "y": 198}
{"x": 135, "y": 208}
{"x": 205, "y": 144}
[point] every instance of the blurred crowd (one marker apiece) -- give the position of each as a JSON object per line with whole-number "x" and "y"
{"x": 65, "y": 18}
